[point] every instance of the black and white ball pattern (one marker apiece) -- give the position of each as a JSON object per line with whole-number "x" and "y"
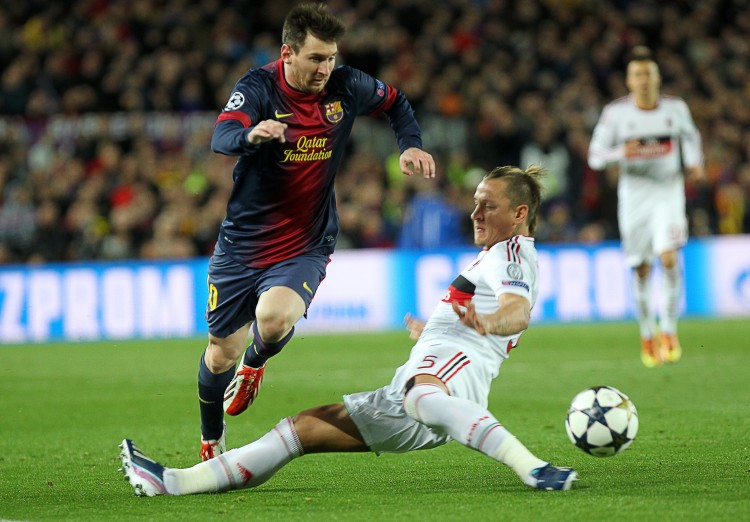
{"x": 602, "y": 421}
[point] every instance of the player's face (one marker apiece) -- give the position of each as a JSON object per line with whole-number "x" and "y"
{"x": 495, "y": 219}
{"x": 308, "y": 69}
{"x": 643, "y": 78}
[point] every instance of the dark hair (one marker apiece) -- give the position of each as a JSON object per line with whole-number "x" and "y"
{"x": 640, "y": 53}
{"x": 523, "y": 187}
{"x": 311, "y": 19}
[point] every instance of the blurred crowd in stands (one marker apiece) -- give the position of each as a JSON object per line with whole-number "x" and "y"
{"x": 107, "y": 108}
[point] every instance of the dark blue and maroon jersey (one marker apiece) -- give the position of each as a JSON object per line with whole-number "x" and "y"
{"x": 283, "y": 202}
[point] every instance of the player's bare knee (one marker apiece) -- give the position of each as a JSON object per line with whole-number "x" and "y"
{"x": 668, "y": 260}
{"x": 279, "y": 308}
{"x": 274, "y": 327}
{"x": 222, "y": 354}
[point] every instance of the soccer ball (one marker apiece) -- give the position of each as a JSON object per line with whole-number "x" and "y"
{"x": 602, "y": 421}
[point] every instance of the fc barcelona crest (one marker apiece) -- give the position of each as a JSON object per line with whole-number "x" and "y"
{"x": 334, "y": 112}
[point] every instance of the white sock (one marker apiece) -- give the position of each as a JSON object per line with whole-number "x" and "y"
{"x": 245, "y": 467}
{"x": 516, "y": 456}
{"x": 471, "y": 425}
{"x": 672, "y": 286}
{"x": 643, "y": 309}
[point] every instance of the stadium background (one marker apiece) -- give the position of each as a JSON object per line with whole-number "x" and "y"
{"x": 106, "y": 111}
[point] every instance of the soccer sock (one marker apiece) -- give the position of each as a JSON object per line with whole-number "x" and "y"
{"x": 245, "y": 467}
{"x": 642, "y": 293}
{"x": 259, "y": 352}
{"x": 471, "y": 425}
{"x": 672, "y": 285}
{"x": 517, "y": 457}
{"x": 211, "y": 388}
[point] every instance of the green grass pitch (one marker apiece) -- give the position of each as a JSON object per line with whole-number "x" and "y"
{"x": 64, "y": 408}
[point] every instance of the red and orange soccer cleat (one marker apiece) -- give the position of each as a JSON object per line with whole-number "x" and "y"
{"x": 649, "y": 353}
{"x": 671, "y": 351}
{"x": 243, "y": 389}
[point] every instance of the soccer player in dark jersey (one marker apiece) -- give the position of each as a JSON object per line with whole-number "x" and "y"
{"x": 288, "y": 122}
{"x": 440, "y": 394}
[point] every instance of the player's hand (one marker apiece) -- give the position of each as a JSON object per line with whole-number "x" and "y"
{"x": 469, "y": 316}
{"x": 632, "y": 148}
{"x": 267, "y": 130}
{"x": 695, "y": 174}
{"x": 415, "y": 161}
{"x": 414, "y": 326}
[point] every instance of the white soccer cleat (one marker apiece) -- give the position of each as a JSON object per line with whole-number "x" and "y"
{"x": 144, "y": 474}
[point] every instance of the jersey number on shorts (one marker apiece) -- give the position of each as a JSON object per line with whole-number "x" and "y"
{"x": 213, "y": 296}
{"x": 449, "y": 369}
{"x": 427, "y": 362}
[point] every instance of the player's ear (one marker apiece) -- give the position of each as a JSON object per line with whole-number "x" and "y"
{"x": 522, "y": 212}
{"x": 286, "y": 53}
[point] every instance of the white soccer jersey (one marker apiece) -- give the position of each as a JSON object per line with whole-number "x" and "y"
{"x": 508, "y": 267}
{"x": 651, "y": 187}
{"x": 667, "y": 135}
{"x": 464, "y": 360}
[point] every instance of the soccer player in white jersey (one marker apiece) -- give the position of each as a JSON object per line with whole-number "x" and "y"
{"x": 654, "y": 142}
{"x": 439, "y": 394}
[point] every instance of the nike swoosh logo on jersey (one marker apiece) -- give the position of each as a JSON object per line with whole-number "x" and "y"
{"x": 280, "y": 115}
{"x": 307, "y": 287}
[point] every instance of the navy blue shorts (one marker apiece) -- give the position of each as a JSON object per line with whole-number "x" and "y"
{"x": 233, "y": 288}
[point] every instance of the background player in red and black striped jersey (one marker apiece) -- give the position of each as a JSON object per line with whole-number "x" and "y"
{"x": 654, "y": 143}
{"x": 288, "y": 122}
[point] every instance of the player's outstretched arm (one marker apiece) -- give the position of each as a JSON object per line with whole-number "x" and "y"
{"x": 415, "y": 161}
{"x": 511, "y": 317}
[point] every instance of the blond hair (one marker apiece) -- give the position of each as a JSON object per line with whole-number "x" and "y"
{"x": 523, "y": 187}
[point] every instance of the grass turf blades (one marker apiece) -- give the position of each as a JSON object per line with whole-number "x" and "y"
{"x": 64, "y": 408}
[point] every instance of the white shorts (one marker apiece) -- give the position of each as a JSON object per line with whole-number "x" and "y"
{"x": 384, "y": 425}
{"x": 380, "y": 416}
{"x": 653, "y": 223}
